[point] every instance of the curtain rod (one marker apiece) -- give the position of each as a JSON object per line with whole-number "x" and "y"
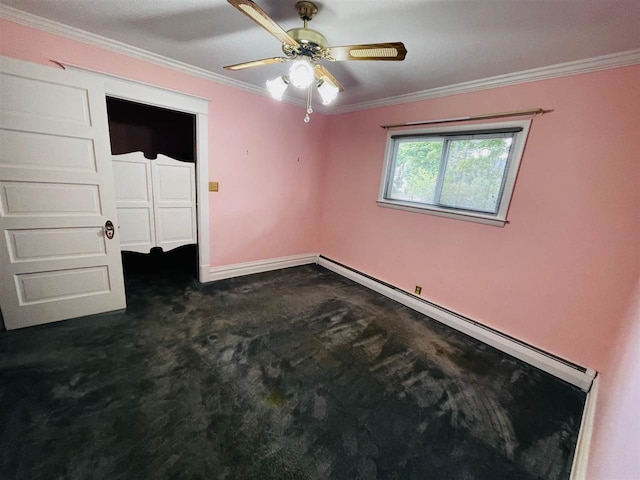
{"x": 486, "y": 116}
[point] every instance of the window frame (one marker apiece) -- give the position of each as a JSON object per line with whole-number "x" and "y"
{"x": 499, "y": 218}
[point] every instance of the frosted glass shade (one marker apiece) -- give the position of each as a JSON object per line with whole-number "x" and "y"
{"x": 327, "y": 92}
{"x": 276, "y": 87}
{"x": 301, "y": 73}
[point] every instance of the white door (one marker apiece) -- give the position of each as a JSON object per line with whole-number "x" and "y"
{"x": 174, "y": 202}
{"x": 134, "y": 201}
{"x": 156, "y": 202}
{"x": 56, "y": 195}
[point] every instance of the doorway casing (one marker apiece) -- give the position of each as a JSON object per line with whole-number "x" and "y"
{"x": 147, "y": 94}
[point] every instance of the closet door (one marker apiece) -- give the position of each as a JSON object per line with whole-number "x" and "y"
{"x": 174, "y": 198}
{"x": 134, "y": 201}
{"x": 59, "y": 245}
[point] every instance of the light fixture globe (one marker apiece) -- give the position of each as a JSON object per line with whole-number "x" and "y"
{"x": 328, "y": 92}
{"x": 276, "y": 87}
{"x": 301, "y": 73}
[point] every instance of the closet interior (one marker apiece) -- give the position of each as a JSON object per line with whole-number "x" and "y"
{"x": 153, "y": 158}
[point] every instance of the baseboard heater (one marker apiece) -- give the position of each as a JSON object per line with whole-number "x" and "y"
{"x": 575, "y": 374}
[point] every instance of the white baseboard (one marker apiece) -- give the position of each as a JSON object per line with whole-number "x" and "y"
{"x": 247, "y": 268}
{"x": 554, "y": 366}
{"x": 580, "y": 377}
{"x": 583, "y": 446}
{"x": 586, "y": 380}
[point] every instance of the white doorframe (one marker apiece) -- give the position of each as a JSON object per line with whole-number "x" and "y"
{"x": 159, "y": 97}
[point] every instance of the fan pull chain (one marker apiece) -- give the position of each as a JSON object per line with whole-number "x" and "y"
{"x": 309, "y": 108}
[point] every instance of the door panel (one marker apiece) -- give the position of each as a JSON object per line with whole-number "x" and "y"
{"x": 174, "y": 182}
{"x": 39, "y": 199}
{"x": 176, "y": 225}
{"x": 134, "y": 201}
{"x": 136, "y": 229}
{"x": 133, "y": 179}
{"x": 46, "y": 152}
{"x": 43, "y": 101}
{"x": 174, "y": 198}
{"x": 56, "y": 193}
{"x": 55, "y": 243}
{"x": 62, "y": 284}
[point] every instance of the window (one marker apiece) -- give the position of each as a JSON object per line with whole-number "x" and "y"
{"x": 463, "y": 172}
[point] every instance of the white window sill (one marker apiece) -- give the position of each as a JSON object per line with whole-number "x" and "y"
{"x": 440, "y": 212}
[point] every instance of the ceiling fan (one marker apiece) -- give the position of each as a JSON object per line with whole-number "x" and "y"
{"x": 305, "y": 48}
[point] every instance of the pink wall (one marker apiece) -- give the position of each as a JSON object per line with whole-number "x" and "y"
{"x": 254, "y": 147}
{"x": 560, "y": 273}
{"x": 616, "y": 440}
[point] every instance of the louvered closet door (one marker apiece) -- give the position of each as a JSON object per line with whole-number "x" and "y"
{"x": 174, "y": 199}
{"x": 56, "y": 195}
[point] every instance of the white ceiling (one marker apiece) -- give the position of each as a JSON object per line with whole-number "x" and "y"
{"x": 448, "y": 41}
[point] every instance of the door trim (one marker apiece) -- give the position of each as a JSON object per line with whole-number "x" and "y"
{"x": 144, "y": 93}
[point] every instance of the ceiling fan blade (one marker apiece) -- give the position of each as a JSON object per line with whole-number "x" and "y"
{"x": 256, "y": 63}
{"x": 259, "y": 16}
{"x": 323, "y": 74}
{"x": 394, "y": 51}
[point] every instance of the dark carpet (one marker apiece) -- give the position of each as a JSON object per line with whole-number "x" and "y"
{"x": 293, "y": 374}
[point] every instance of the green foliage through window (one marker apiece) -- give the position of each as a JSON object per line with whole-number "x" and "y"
{"x": 461, "y": 172}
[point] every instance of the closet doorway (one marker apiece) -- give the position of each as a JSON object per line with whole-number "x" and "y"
{"x": 60, "y": 183}
{"x": 152, "y": 96}
{"x": 153, "y": 158}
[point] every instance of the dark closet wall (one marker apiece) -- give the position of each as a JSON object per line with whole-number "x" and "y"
{"x": 135, "y": 127}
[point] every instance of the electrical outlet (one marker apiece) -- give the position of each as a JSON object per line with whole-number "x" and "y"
{"x": 418, "y": 290}
{"x": 213, "y": 186}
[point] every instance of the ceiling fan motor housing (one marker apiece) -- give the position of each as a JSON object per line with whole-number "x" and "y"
{"x": 310, "y": 40}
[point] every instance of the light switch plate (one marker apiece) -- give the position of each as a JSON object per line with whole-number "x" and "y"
{"x": 213, "y": 186}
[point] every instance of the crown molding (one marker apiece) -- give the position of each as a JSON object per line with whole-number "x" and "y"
{"x": 621, "y": 59}
{"x": 57, "y": 28}
{"x": 630, "y": 57}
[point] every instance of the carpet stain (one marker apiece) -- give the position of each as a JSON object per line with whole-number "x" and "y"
{"x": 276, "y": 398}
